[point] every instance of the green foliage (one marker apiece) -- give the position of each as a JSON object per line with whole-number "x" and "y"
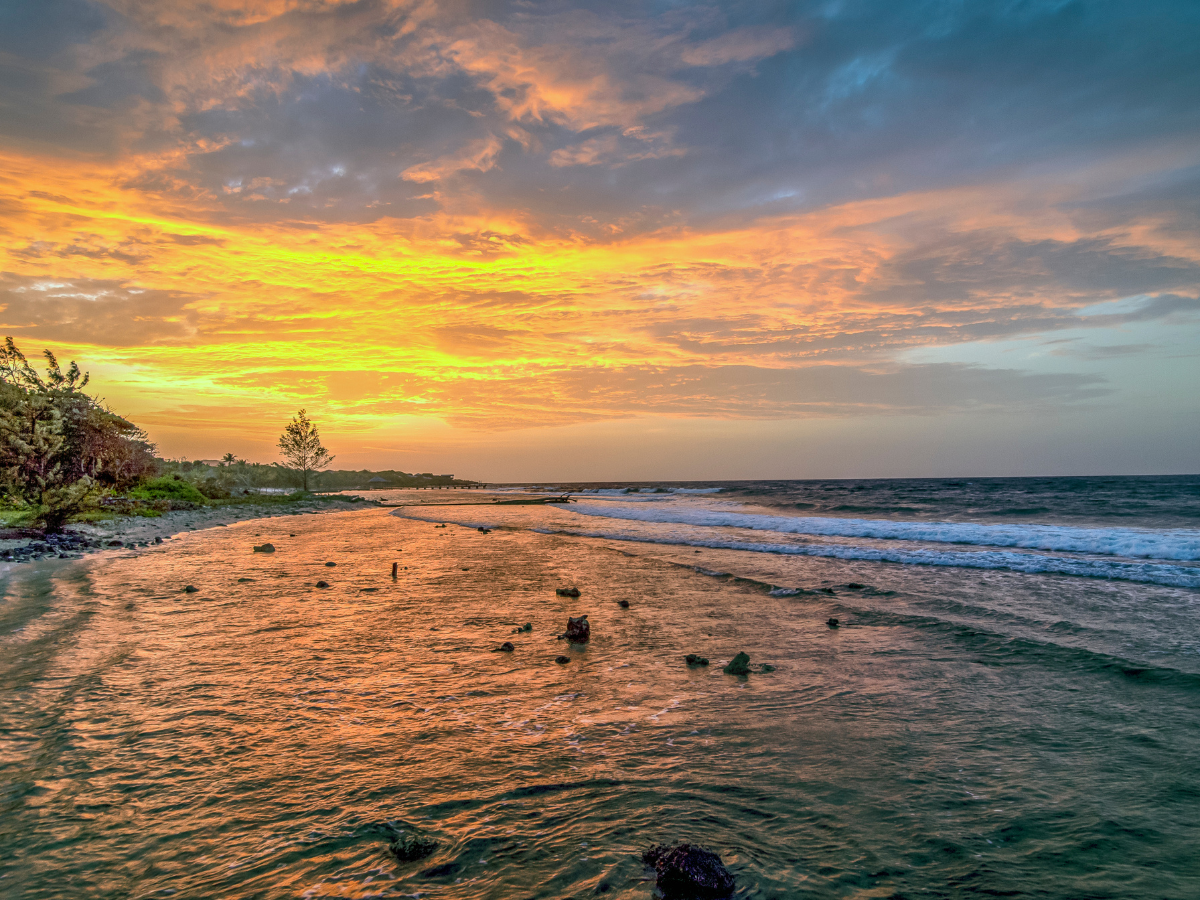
{"x": 173, "y": 489}
{"x": 301, "y": 446}
{"x": 59, "y": 449}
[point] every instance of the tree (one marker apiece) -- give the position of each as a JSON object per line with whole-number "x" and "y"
{"x": 59, "y": 448}
{"x": 300, "y": 445}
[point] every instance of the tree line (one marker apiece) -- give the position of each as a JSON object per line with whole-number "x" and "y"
{"x": 63, "y": 453}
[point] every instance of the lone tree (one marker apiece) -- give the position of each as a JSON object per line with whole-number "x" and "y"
{"x": 301, "y": 447}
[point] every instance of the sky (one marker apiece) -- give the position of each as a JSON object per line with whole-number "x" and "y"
{"x": 617, "y": 240}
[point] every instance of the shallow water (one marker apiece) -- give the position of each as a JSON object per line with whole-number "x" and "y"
{"x": 966, "y": 731}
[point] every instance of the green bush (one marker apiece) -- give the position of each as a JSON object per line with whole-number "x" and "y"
{"x": 168, "y": 489}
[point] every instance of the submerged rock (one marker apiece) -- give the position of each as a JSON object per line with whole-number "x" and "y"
{"x": 562, "y": 660}
{"x": 624, "y": 604}
{"x": 407, "y": 847}
{"x": 739, "y": 665}
{"x": 264, "y": 548}
{"x": 567, "y": 592}
{"x": 831, "y": 622}
{"x": 695, "y": 659}
{"x": 506, "y": 647}
{"x": 483, "y": 530}
{"x": 190, "y": 589}
{"x": 528, "y": 626}
{"x": 331, "y": 564}
{"x": 688, "y": 872}
{"x": 322, "y": 584}
{"x": 240, "y": 580}
{"x": 578, "y": 630}
{"x": 854, "y": 586}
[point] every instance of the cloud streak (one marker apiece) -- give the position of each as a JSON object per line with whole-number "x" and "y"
{"x": 503, "y": 214}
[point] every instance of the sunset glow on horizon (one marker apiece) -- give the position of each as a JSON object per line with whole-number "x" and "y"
{"x": 638, "y": 240}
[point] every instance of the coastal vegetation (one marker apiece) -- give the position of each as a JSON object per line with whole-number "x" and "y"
{"x": 301, "y": 446}
{"x": 65, "y": 456}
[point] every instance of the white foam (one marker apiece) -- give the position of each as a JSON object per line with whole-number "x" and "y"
{"x": 1134, "y": 543}
{"x": 1030, "y": 563}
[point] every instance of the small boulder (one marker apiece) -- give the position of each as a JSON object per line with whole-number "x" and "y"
{"x": 739, "y": 665}
{"x": 831, "y": 622}
{"x": 190, "y": 589}
{"x": 330, "y": 564}
{"x": 578, "y": 630}
{"x": 506, "y": 647}
{"x": 264, "y": 548}
{"x": 688, "y": 872}
{"x": 567, "y": 592}
{"x": 158, "y": 540}
{"x": 562, "y": 660}
{"x": 695, "y": 659}
{"x": 407, "y": 847}
{"x": 322, "y": 584}
{"x": 624, "y": 604}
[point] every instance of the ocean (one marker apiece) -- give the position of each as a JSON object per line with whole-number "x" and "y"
{"x": 1008, "y": 706}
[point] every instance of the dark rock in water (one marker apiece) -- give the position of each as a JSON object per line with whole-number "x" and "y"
{"x": 322, "y": 584}
{"x": 831, "y": 622}
{"x": 506, "y": 647}
{"x": 483, "y": 530}
{"x": 264, "y": 548}
{"x": 624, "y": 604}
{"x": 115, "y": 543}
{"x": 739, "y": 665}
{"x": 331, "y": 564}
{"x": 695, "y": 659}
{"x": 688, "y": 872}
{"x": 562, "y": 660}
{"x": 407, "y": 847}
{"x": 854, "y": 586}
{"x": 245, "y": 579}
{"x": 578, "y": 630}
{"x": 190, "y": 589}
{"x": 567, "y": 592}
{"x": 766, "y": 667}
{"x": 439, "y": 871}
{"x": 826, "y": 590}
{"x": 528, "y": 626}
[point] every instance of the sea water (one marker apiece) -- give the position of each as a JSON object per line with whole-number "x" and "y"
{"x": 1010, "y": 705}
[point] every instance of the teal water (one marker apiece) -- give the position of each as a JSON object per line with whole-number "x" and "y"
{"x": 966, "y": 732}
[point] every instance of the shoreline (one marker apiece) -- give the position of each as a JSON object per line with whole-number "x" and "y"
{"x": 130, "y": 532}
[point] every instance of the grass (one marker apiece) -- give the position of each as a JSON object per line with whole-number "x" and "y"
{"x": 20, "y": 517}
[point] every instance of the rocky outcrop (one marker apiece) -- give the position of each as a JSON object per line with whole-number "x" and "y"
{"x": 578, "y": 630}
{"x": 410, "y": 846}
{"x": 739, "y": 665}
{"x": 688, "y": 872}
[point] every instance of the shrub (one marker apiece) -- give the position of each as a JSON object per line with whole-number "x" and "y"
{"x": 169, "y": 489}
